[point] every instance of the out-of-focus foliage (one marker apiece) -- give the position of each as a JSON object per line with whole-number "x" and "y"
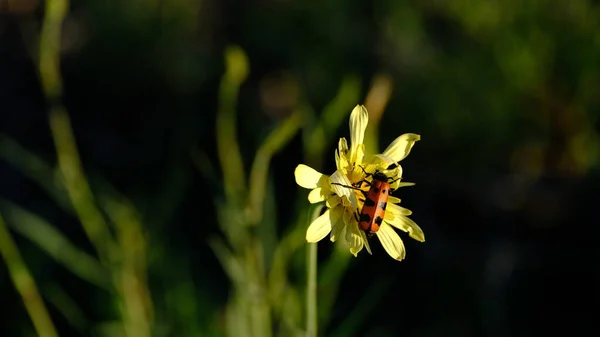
{"x": 504, "y": 94}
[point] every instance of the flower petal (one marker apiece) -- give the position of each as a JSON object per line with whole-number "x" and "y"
{"x": 349, "y": 217}
{"x": 393, "y": 200}
{"x": 343, "y": 187}
{"x": 343, "y": 146}
{"x": 359, "y": 153}
{"x": 366, "y": 242}
{"x": 400, "y": 147}
{"x": 316, "y": 195}
{"x": 308, "y": 177}
{"x": 406, "y": 224}
{"x": 319, "y": 228}
{"x": 354, "y": 239}
{"x": 341, "y": 156}
{"x": 336, "y": 214}
{"x": 380, "y": 162}
{"x": 397, "y": 210}
{"x": 338, "y": 227}
{"x": 383, "y": 160}
{"x": 359, "y": 118}
{"x": 391, "y": 242}
{"x": 333, "y": 201}
{"x": 358, "y": 173}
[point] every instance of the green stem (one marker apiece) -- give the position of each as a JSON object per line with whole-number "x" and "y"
{"x": 25, "y": 285}
{"x": 228, "y": 147}
{"x": 311, "y": 288}
{"x": 311, "y": 292}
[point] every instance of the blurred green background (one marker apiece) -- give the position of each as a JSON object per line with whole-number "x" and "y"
{"x": 147, "y": 184}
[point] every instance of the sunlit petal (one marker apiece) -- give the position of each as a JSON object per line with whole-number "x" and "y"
{"x": 383, "y": 160}
{"x": 308, "y": 177}
{"x": 400, "y": 147}
{"x": 349, "y": 218}
{"x": 339, "y": 161}
{"x": 354, "y": 239}
{"x": 359, "y": 118}
{"x": 359, "y": 153}
{"x": 342, "y": 186}
{"x": 406, "y": 224}
{"x": 391, "y": 242}
{"x": 365, "y": 241}
{"x": 396, "y": 172}
{"x": 343, "y": 146}
{"x": 397, "y": 210}
{"x": 381, "y": 163}
{"x": 393, "y": 200}
{"x": 358, "y": 173}
{"x": 370, "y": 167}
{"x": 336, "y": 214}
{"x": 333, "y": 201}
{"x": 316, "y": 195}
{"x": 338, "y": 227}
{"x": 341, "y": 155}
{"x": 319, "y": 228}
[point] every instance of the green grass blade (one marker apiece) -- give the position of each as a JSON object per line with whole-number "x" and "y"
{"x": 36, "y": 169}
{"x": 25, "y": 284}
{"x": 67, "y": 306}
{"x": 55, "y": 244}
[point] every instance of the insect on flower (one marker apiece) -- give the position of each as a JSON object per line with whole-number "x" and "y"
{"x": 357, "y": 205}
{"x": 375, "y": 199}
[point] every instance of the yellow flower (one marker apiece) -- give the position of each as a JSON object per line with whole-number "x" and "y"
{"x": 344, "y": 202}
{"x": 341, "y": 203}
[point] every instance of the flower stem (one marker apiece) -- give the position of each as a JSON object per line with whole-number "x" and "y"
{"x": 311, "y": 287}
{"x": 311, "y": 292}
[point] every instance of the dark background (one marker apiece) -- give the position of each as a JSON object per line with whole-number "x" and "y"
{"x": 505, "y": 95}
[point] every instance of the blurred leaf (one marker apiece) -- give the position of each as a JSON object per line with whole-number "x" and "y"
{"x": 233, "y": 226}
{"x": 276, "y": 140}
{"x": 132, "y": 273}
{"x": 336, "y": 111}
{"x": 230, "y": 157}
{"x": 25, "y": 284}
{"x": 341, "y": 105}
{"x": 67, "y": 306}
{"x": 236, "y": 64}
{"x": 110, "y": 329}
{"x": 78, "y": 188}
{"x": 129, "y": 231}
{"x": 36, "y": 169}
{"x": 292, "y": 314}
{"x": 229, "y": 262}
{"x": 267, "y": 228}
{"x": 237, "y": 318}
{"x": 55, "y": 244}
{"x": 278, "y": 278}
{"x": 377, "y": 100}
{"x": 181, "y": 301}
{"x": 331, "y": 274}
